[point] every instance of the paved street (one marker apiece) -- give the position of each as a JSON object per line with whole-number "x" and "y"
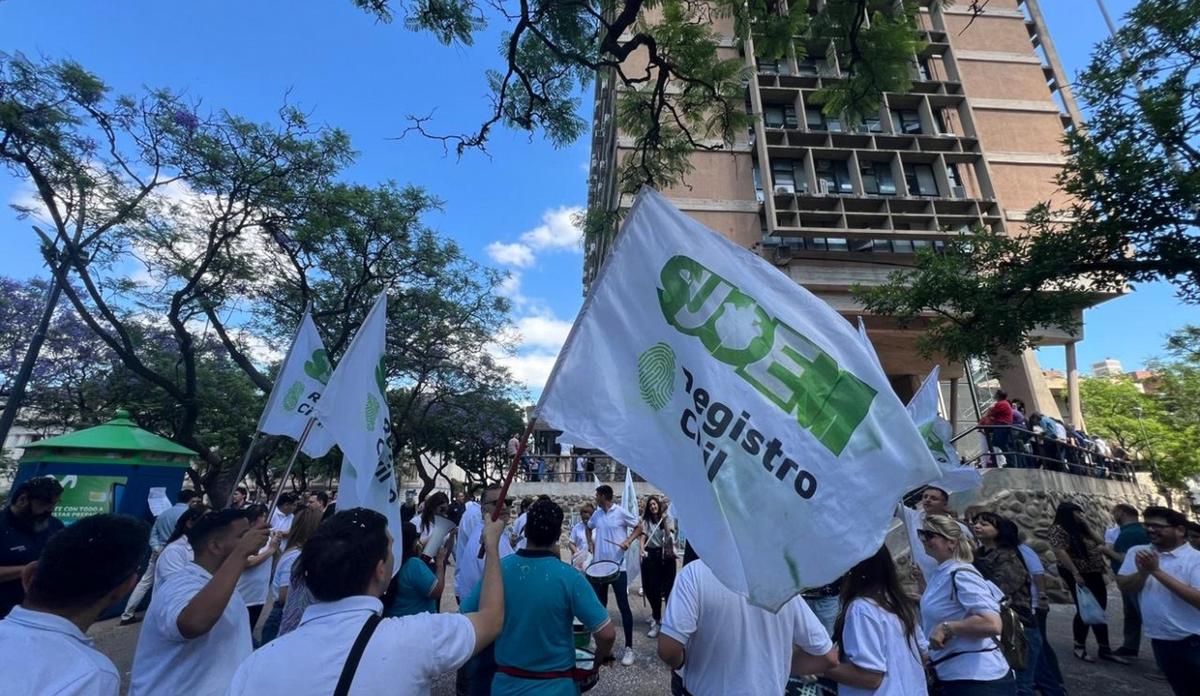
{"x": 649, "y": 677}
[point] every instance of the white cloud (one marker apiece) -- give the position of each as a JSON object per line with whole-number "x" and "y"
{"x": 557, "y": 231}
{"x": 530, "y": 370}
{"x": 515, "y": 254}
{"x": 545, "y": 332}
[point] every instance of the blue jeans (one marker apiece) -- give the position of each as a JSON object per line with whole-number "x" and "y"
{"x": 271, "y": 627}
{"x": 826, "y": 609}
{"x": 621, "y": 590}
{"x": 1047, "y": 676}
{"x": 1027, "y": 678}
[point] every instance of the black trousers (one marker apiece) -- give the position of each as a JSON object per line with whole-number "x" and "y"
{"x": 658, "y": 577}
{"x": 1095, "y": 583}
{"x": 1179, "y": 661}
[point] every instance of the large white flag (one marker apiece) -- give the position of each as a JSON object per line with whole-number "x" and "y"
{"x": 743, "y": 397}
{"x": 633, "y": 554}
{"x": 936, "y": 431}
{"x": 298, "y": 388}
{"x": 354, "y": 411}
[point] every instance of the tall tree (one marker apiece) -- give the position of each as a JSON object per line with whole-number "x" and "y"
{"x": 1131, "y": 175}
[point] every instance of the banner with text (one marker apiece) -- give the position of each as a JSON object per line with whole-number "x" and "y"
{"x": 745, "y": 398}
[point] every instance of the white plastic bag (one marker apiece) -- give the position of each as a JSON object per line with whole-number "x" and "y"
{"x": 1089, "y": 609}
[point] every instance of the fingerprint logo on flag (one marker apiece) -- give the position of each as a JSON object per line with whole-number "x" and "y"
{"x": 656, "y": 375}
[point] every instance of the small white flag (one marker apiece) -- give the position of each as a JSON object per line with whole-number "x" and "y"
{"x": 354, "y": 410}
{"x": 746, "y": 399}
{"x": 633, "y": 554}
{"x": 953, "y": 476}
{"x": 297, "y": 389}
{"x": 867, "y": 345}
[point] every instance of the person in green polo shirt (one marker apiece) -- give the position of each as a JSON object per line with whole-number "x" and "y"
{"x": 1131, "y": 534}
{"x": 542, "y": 597}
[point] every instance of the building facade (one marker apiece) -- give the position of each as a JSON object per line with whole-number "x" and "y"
{"x": 975, "y": 142}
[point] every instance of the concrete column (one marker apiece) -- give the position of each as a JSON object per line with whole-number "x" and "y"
{"x": 953, "y": 406}
{"x": 1073, "y": 406}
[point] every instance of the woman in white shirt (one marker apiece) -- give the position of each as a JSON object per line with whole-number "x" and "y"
{"x": 960, "y": 613}
{"x": 303, "y": 527}
{"x": 252, "y": 585}
{"x": 178, "y": 552}
{"x": 879, "y": 633}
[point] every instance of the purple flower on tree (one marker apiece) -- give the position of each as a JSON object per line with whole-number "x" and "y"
{"x": 186, "y": 119}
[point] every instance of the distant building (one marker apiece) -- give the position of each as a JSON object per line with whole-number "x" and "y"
{"x": 1107, "y": 368}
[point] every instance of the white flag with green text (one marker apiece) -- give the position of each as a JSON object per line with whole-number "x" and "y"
{"x": 354, "y": 411}
{"x": 923, "y": 407}
{"x": 298, "y": 388}
{"x": 745, "y": 398}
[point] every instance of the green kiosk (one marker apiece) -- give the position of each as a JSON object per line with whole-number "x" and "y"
{"x": 108, "y": 468}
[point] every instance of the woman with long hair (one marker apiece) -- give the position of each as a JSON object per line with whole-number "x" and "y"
{"x": 178, "y": 552}
{"x": 658, "y": 559}
{"x": 960, "y": 613}
{"x": 1078, "y": 550}
{"x": 999, "y": 560}
{"x": 414, "y": 589}
{"x": 252, "y": 585}
{"x": 436, "y": 504}
{"x": 304, "y": 525}
{"x": 879, "y": 633}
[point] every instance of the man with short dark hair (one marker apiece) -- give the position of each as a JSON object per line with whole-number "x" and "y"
{"x": 239, "y": 498}
{"x": 347, "y": 565}
{"x": 26, "y": 525}
{"x": 318, "y": 500}
{"x": 196, "y": 631}
{"x": 164, "y": 527}
{"x": 543, "y": 596}
{"x": 1130, "y": 533}
{"x": 44, "y": 648}
{"x": 1166, "y": 576}
{"x": 934, "y": 501}
{"x": 282, "y": 516}
{"x": 613, "y": 529}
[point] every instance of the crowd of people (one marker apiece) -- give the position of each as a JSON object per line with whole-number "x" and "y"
{"x": 1039, "y": 441}
{"x": 978, "y": 626}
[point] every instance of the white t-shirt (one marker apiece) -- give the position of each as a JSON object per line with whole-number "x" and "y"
{"x": 283, "y": 571}
{"x": 281, "y": 523}
{"x": 43, "y": 653}
{"x": 579, "y": 536}
{"x": 1111, "y": 534}
{"x": 468, "y": 565}
{"x": 609, "y": 529}
{"x": 733, "y": 648}
{"x": 874, "y": 639}
{"x": 252, "y": 586}
{"x": 167, "y": 663}
{"x": 403, "y": 657}
{"x": 1033, "y": 564}
{"x": 974, "y": 596}
{"x": 518, "y": 529}
{"x": 174, "y": 557}
{"x": 1165, "y": 616}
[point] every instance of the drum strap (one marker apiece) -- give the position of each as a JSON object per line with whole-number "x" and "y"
{"x": 574, "y": 673}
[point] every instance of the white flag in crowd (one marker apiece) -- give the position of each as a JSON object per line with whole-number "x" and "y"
{"x": 354, "y": 411}
{"x": 633, "y": 554}
{"x": 866, "y": 340}
{"x": 298, "y": 389}
{"x": 743, "y": 397}
{"x": 936, "y": 431}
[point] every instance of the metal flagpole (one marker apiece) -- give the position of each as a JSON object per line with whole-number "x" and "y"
{"x": 291, "y": 461}
{"x": 512, "y": 470}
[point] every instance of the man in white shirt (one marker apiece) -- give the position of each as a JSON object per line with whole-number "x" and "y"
{"x": 934, "y": 501}
{"x": 468, "y": 566}
{"x": 723, "y": 646}
{"x": 613, "y": 529}
{"x": 44, "y": 648}
{"x": 196, "y": 632}
{"x": 164, "y": 526}
{"x": 347, "y": 566}
{"x": 1166, "y": 574}
{"x": 282, "y": 516}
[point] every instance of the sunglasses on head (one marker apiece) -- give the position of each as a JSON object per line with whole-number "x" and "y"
{"x": 926, "y": 535}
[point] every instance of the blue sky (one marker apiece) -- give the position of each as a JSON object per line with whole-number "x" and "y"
{"x": 510, "y": 210}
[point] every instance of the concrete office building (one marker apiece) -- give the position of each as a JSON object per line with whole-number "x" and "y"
{"x": 977, "y": 141}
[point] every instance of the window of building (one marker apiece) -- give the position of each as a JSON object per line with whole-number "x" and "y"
{"x": 956, "y": 185}
{"x": 877, "y": 179}
{"x": 882, "y": 246}
{"x": 920, "y": 180}
{"x": 902, "y": 246}
{"x": 871, "y": 124}
{"x": 924, "y": 68}
{"x": 779, "y": 116}
{"x": 817, "y": 120}
{"x": 783, "y": 175}
{"x": 833, "y": 176}
{"x": 939, "y": 118}
{"x": 768, "y": 67}
{"x": 806, "y": 66}
{"x": 815, "y": 244}
{"x": 860, "y": 245}
{"x": 906, "y": 121}
{"x": 837, "y": 244}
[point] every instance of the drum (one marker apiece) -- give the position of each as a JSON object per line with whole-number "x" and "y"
{"x": 587, "y": 674}
{"x": 582, "y": 637}
{"x": 603, "y": 572}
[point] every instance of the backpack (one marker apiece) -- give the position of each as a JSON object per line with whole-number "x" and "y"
{"x": 1011, "y": 641}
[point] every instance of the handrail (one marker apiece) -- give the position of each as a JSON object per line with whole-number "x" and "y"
{"x": 1110, "y": 467}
